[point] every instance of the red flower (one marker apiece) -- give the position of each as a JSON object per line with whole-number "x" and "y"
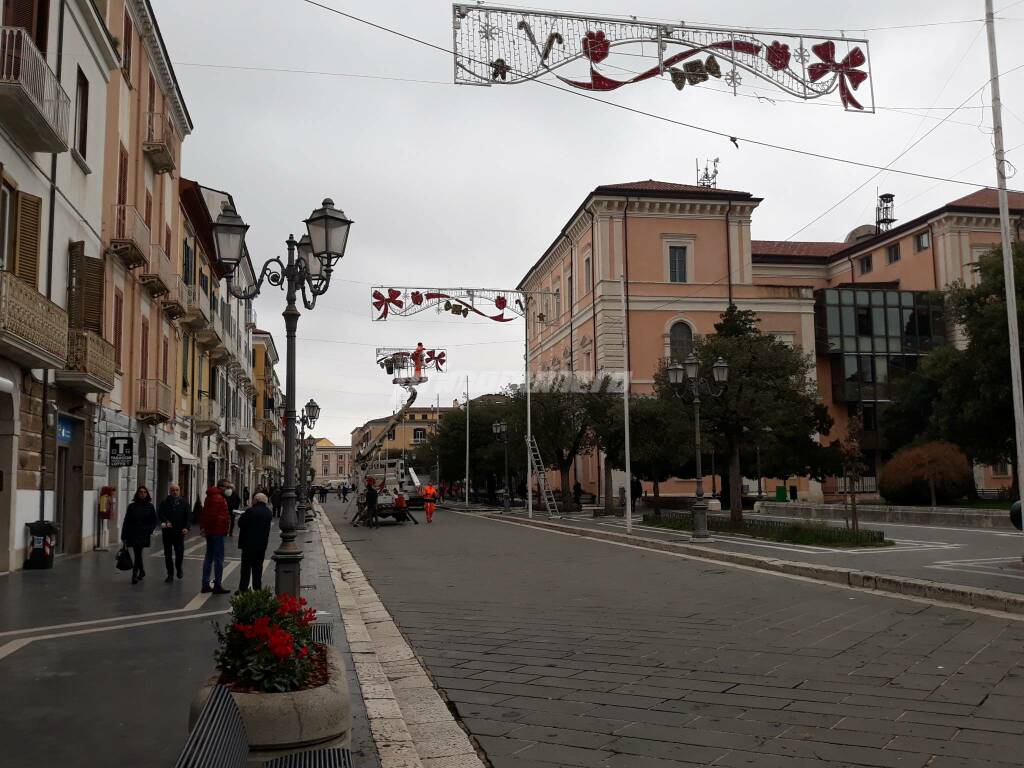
{"x": 303, "y": 652}
{"x": 777, "y": 55}
{"x": 280, "y": 643}
{"x": 596, "y": 46}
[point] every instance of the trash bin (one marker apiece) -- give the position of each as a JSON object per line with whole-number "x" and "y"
{"x": 780, "y": 493}
{"x": 42, "y": 542}
{"x": 1015, "y": 515}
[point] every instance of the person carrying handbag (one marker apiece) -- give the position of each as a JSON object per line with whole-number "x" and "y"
{"x": 139, "y": 522}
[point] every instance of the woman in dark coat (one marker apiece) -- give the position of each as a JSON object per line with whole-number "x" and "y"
{"x": 139, "y": 522}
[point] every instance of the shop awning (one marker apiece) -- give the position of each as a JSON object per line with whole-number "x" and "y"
{"x": 183, "y": 456}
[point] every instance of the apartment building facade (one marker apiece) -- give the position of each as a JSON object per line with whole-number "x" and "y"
{"x": 678, "y": 255}
{"x": 405, "y": 436}
{"x": 268, "y": 409}
{"x": 56, "y": 68}
{"x": 332, "y": 463}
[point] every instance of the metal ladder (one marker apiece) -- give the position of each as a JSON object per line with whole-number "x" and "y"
{"x": 542, "y": 478}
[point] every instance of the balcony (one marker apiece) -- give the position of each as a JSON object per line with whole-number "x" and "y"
{"x": 90, "y": 363}
{"x": 157, "y": 275}
{"x": 156, "y": 402}
{"x": 232, "y": 426}
{"x": 248, "y": 439}
{"x": 161, "y": 142}
{"x": 250, "y": 317}
{"x": 33, "y": 106}
{"x": 175, "y": 301}
{"x": 206, "y": 418}
{"x": 130, "y": 238}
{"x": 33, "y": 330}
{"x": 197, "y": 309}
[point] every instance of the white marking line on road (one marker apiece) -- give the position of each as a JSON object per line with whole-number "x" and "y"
{"x": 14, "y": 645}
{"x": 194, "y": 604}
{"x": 752, "y": 569}
{"x": 985, "y": 566}
{"x": 989, "y": 531}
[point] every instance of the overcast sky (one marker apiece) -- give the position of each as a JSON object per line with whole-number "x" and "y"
{"x": 454, "y": 185}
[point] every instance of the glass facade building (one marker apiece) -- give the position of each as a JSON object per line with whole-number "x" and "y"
{"x": 873, "y": 336}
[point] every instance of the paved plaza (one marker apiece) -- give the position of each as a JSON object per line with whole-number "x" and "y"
{"x": 557, "y": 650}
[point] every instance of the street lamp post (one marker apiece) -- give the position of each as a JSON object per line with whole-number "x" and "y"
{"x": 308, "y": 270}
{"x": 501, "y": 431}
{"x": 310, "y": 414}
{"x": 687, "y": 375}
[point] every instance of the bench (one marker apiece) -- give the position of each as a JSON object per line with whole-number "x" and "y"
{"x": 219, "y": 740}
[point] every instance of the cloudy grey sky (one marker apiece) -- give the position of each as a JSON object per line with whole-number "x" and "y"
{"x": 455, "y": 185}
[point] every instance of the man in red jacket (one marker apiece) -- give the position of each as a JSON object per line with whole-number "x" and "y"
{"x": 214, "y": 523}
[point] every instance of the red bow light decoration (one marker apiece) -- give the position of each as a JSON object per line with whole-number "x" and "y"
{"x": 384, "y": 303}
{"x": 435, "y": 358}
{"x": 846, "y": 70}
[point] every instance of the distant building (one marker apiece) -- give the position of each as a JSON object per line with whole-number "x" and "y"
{"x": 333, "y": 463}
{"x": 408, "y": 434}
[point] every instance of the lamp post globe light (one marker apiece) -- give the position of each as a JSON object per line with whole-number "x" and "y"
{"x": 686, "y": 377}
{"x": 307, "y": 270}
{"x": 500, "y": 429}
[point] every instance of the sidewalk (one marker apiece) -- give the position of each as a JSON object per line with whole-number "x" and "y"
{"x": 98, "y": 672}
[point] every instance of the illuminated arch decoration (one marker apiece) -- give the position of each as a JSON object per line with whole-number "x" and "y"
{"x": 499, "y": 45}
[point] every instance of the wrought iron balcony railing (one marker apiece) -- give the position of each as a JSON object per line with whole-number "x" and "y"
{"x": 33, "y": 106}
{"x": 175, "y": 301}
{"x": 161, "y": 141}
{"x": 156, "y": 401}
{"x": 90, "y": 363}
{"x": 33, "y": 330}
{"x": 157, "y": 275}
{"x": 130, "y": 237}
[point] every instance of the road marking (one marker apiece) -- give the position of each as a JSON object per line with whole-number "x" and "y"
{"x": 15, "y": 645}
{"x": 194, "y": 604}
{"x": 791, "y": 576}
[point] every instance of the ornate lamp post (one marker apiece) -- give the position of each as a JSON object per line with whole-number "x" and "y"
{"x": 308, "y": 269}
{"x": 684, "y": 378}
{"x": 310, "y": 413}
{"x": 500, "y": 429}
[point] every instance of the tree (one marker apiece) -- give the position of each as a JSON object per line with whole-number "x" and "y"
{"x": 931, "y": 472}
{"x": 661, "y": 441}
{"x": 770, "y": 391}
{"x": 964, "y": 396}
{"x": 854, "y": 467}
{"x": 563, "y": 413}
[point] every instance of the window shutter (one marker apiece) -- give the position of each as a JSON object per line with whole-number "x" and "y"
{"x": 126, "y": 46}
{"x": 144, "y": 351}
{"x": 93, "y": 277}
{"x": 166, "y": 350}
{"x": 32, "y": 15}
{"x": 167, "y": 240}
{"x": 149, "y": 209}
{"x": 118, "y": 326}
{"x": 28, "y": 237}
{"x": 122, "y": 177}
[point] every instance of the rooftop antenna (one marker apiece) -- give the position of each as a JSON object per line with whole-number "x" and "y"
{"x": 885, "y": 212}
{"x": 708, "y": 178}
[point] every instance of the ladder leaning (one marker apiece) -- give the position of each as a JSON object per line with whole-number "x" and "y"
{"x": 542, "y": 478}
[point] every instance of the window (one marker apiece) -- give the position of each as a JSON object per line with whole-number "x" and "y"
{"x": 118, "y": 326}
{"x": 1000, "y": 469}
{"x": 865, "y": 264}
{"x": 204, "y": 282}
{"x": 922, "y": 240}
{"x": 122, "y": 181}
{"x": 680, "y": 341}
{"x": 677, "y": 263}
{"x": 33, "y": 16}
{"x": 892, "y": 253}
{"x": 184, "y": 361}
{"x": 419, "y": 435}
{"x": 167, "y": 240}
{"x": 864, "y": 326}
{"x": 391, "y": 435}
{"x": 126, "y": 46}
{"x": 144, "y": 350}
{"x": 81, "y": 113}
{"x": 164, "y": 367}
{"x": 186, "y": 263}
{"x": 28, "y": 222}
{"x": 588, "y": 277}
{"x": 7, "y": 196}
{"x": 558, "y": 303}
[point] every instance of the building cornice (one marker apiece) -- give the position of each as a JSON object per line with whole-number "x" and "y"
{"x": 149, "y": 32}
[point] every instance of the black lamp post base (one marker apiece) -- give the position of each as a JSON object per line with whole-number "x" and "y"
{"x": 287, "y": 571}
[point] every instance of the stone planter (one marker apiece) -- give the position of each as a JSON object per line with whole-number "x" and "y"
{"x": 282, "y": 723}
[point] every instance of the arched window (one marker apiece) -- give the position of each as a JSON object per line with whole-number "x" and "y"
{"x": 680, "y": 341}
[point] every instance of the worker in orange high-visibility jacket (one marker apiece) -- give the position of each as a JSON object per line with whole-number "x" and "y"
{"x": 430, "y": 501}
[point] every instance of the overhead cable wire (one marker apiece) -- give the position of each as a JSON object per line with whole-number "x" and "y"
{"x": 663, "y": 118}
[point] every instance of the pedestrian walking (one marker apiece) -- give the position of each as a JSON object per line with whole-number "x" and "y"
{"x": 430, "y": 501}
{"x": 233, "y": 502}
{"x": 636, "y": 490}
{"x": 139, "y": 521}
{"x": 253, "y": 535}
{"x": 344, "y": 492}
{"x": 371, "y": 502}
{"x": 214, "y": 524}
{"x": 275, "y": 500}
{"x": 174, "y": 523}
{"x": 245, "y": 496}
{"x": 577, "y": 495}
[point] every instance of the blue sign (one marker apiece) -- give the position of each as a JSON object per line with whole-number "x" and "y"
{"x": 65, "y": 430}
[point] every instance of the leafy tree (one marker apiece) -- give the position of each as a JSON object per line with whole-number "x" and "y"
{"x": 661, "y": 441}
{"x": 769, "y": 391}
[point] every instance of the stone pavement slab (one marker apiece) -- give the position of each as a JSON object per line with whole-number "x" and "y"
{"x": 720, "y": 665}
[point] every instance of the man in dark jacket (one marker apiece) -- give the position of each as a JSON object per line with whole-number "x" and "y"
{"x": 174, "y": 515}
{"x": 214, "y": 525}
{"x": 253, "y": 535}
